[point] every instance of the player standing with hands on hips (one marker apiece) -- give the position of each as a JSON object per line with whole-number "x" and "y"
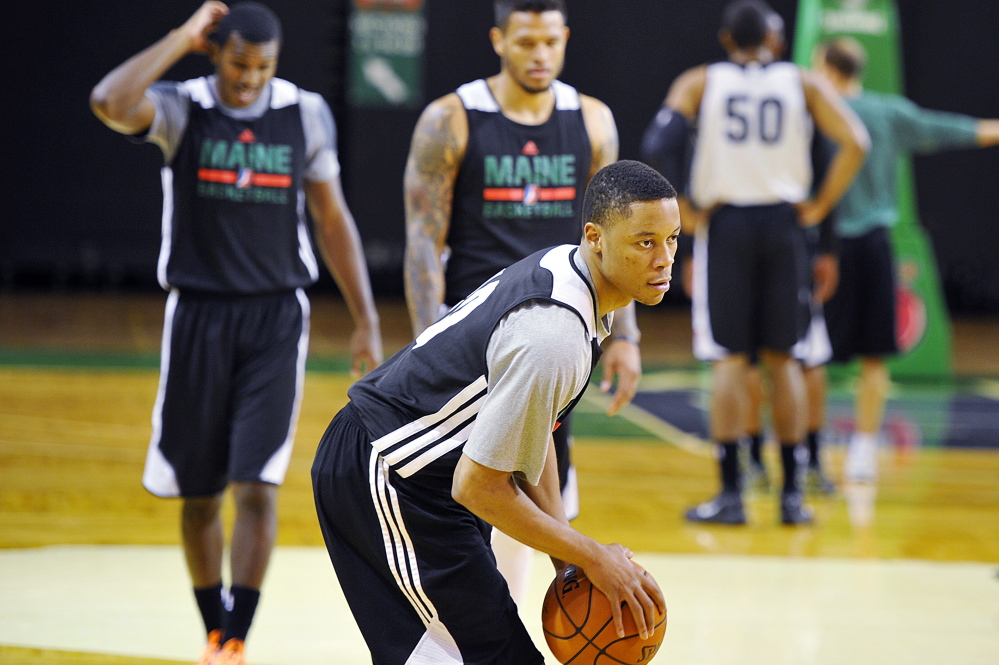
{"x": 496, "y": 172}
{"x": 245, "y": 152}
{"x": 750, "y": 184}
{"x": 452, "y": 436}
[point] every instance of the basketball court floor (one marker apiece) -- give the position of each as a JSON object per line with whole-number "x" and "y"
{"x": 91, "y": 572}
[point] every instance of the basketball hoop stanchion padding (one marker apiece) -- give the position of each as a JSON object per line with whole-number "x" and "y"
{"x": 924, "y": 334}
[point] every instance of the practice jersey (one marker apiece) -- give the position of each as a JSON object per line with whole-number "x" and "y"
{"x": 754, "y": 136}
{"x": 519, "y": 188}
{"x": 233, "y": 200}
{"x": 420, "y": 406}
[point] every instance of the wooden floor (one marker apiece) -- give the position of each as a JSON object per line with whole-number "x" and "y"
{"x": 78, "y": 379}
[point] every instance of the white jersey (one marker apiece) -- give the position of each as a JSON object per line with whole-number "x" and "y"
{"x": 754, "y": 136}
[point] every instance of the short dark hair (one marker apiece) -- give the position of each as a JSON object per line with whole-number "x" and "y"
{"x": 503, "y": 8}
{"x": 253, "y": 21}
{"x": 746, "y": 21}
{"x": 616, "y": 186}
{"x": 845, "y": 55}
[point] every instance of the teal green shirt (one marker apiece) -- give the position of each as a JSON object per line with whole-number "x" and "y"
{"x": 898, "y": 128}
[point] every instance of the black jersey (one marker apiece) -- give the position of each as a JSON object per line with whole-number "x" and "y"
{"x": 519, "y": 188}
{"x": 234, "y": 212}
{"x": 421, "y": 404}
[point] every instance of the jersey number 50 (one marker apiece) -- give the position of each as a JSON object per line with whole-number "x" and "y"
{"x": 768, "y": 117}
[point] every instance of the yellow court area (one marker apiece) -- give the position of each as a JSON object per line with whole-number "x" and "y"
{"x": 91, "y": 570}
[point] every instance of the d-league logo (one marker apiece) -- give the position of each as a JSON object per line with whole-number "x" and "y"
{"x": 529, "y": 185}
{"x": 648, "y": 652}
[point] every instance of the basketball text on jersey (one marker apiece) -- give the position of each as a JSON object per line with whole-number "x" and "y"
{"x": 246, "y": 172}
{"x": 526, "y": 186}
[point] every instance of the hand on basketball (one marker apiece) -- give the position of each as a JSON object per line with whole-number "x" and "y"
{"x": 624, "y": 582}
{"x": 203, "y": 23}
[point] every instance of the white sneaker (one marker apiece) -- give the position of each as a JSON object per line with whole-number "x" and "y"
{"x": 861, "y": 463}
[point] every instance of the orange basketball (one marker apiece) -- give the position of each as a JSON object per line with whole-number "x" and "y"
{"x": 579, "y": 628}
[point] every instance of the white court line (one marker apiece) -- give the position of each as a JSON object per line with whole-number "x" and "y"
{"x": 723, "y": 610}
{"x": 597, "y": 401}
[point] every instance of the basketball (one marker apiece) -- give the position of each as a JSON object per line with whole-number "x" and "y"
{"x": 579, "y": 628}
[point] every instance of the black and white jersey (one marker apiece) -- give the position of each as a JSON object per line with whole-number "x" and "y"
{"x": 233, "y": 200}
{"x": 754, "y": 136}
{"x": 519, "y": 188}
{"x": 420, "y": 406}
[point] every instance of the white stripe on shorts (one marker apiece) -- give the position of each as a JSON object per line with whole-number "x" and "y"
{"x": 437, "y": 646}
{"x": 159, "y": 476}
{"x": 277, "y": 466}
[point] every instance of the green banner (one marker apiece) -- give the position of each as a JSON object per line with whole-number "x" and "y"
{"x": 386, "y": 53}
{"x": 923, "y": 325}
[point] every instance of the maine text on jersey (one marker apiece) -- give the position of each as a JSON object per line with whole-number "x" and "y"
{"x": 529, "y": 186}
{"x": 244, "y": 170}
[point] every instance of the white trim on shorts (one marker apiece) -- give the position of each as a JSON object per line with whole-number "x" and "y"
{"x": 159, "y": 476}
{"x": 437, "y": 646}
{"x": 276, "y": 467}
{"x": 814, "y": 349}
{"x": 705, "y": 346}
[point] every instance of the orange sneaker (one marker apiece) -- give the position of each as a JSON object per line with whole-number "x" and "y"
{"x": 231, "y": 653}
{"x": 211, "y": 648}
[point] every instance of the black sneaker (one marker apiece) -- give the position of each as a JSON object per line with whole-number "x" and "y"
{"x": 726, "y": 508}
{"x": 793, "y": 510}
{"x": 817, "y": 483}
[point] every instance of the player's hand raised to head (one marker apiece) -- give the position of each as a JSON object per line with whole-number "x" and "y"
{"x": 203, "y": 23}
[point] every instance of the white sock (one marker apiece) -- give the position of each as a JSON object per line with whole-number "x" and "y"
{"x": 864, "y": 440}
{"x": 514, "y": 560}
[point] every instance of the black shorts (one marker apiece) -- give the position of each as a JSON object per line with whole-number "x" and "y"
{"x": 415, "y": 566}
{"x": 751, "y": 282}
{"x": 231, "y": 377}
{"x": 861, "y": 314}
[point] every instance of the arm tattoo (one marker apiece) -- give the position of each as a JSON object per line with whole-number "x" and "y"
{"x": 434, "y": 157}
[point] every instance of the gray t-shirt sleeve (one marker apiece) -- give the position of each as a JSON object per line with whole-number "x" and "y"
{"x": 538, "y": 359}
{"x": 173, "y": 108}
{"x": 321, "y": 163}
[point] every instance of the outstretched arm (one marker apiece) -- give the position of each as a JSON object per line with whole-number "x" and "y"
{"x": 988, "y": 132}
{"x": 119, "y": 99}
{"x": 340, "y": 244}
{"x": 435, "y": 154}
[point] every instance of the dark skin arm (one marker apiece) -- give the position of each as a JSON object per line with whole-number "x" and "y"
{"x": 684, "y": 96}
{"x": 535, "y": 517}
{"x": 340, "y": 245}
{"x": 435, "y": 153}
{"x": 119, "y": 98}
{"x": 838, "y": 122}
{"x": 621, "y": 360}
